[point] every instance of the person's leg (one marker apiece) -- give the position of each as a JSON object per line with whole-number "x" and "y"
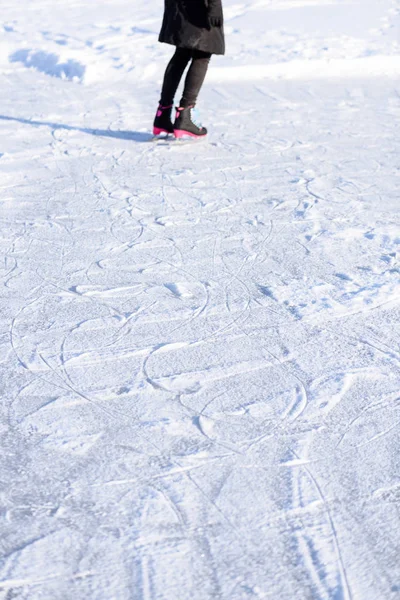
{"x": 195, "y": 77}
{"x": 186, "y": 122}
{"x": 173, "y": 75}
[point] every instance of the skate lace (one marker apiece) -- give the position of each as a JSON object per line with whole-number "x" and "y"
{"x": 195, "y": 117}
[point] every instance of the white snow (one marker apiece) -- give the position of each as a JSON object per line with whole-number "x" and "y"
{"x": 199, "y": 343}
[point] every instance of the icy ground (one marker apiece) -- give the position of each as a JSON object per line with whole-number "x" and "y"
{"x": 200, "y": 360}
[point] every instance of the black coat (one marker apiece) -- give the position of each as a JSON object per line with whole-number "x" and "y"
{"x": 185, "y": 25}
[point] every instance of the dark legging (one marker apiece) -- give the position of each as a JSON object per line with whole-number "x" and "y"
{"x": 194, "y": 78}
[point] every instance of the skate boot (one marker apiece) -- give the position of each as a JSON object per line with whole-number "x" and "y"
{"x": 187, "y": 123}
{"x": 162, "y": 122}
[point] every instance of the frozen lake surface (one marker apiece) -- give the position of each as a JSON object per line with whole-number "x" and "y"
{"x": 199, "y": 343}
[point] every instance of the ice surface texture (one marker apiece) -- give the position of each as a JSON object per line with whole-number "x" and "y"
{"x": 199, "y": 344}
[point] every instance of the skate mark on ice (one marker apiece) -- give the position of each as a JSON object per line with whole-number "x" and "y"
{"x": 206, "y": 426}
{"x": 179, "y": 514}
{"x": 26, "y": 544}
{"x": 65, "y": 384}
{"x": 298, "y": 405}
{"x": 26, "y": 363}
{"x": 373, "y": 435}
{"x": 153, "y": 381}
{"x": 98, "y": 291}
{"x": 304, "y": 541}
{"x": 329, "y": 391}
{"x": 388, "y": 403}
{"x": 20, "y": 419}
{"x": 196, "y": 312}
{"x": 8, "y": 584}
{"x": 214, "y": 504}
{"x": 388, "y": 494}
{"x": 191, "y": 382}
{"x": 302, "y": 495}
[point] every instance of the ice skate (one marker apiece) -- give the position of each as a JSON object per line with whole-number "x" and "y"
{"x": 187, "y": 123}
{"x": 162, "y": 121}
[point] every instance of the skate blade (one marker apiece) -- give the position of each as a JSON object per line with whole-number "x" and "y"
{"x": 170, "y": 140}
{"x": 187, "y": 136}
{"x": 163, "y": 137}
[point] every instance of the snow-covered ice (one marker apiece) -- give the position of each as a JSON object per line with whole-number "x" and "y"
{"x": 200, "y": 359}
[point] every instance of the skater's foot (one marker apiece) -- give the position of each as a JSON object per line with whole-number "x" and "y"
{"x": 162, "y": 122}
{"x": 187, "y": 123}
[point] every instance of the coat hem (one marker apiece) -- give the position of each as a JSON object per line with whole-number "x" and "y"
{"x": 188, "y": 47}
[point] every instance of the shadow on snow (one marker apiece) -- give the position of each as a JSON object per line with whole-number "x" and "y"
{"x": 133, "y": 136}
{"x": 48, "y": 62}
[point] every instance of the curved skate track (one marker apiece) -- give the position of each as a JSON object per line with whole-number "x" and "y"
{"x": 200, "y": 359}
